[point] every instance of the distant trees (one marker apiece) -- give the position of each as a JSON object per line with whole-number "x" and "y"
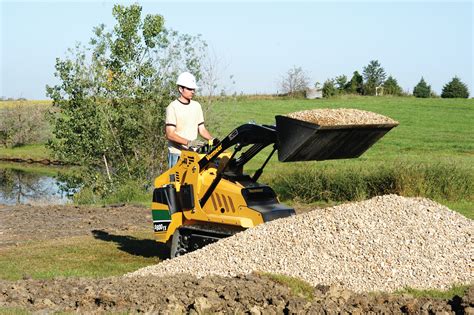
{"x": 329, "y": 88}
{"x": 341, "y": 83}
{"x": 455, "y": 88}
{"x": 374, "y": 76}
{"x": 372, "y": 81}
{"x": 356, "y": 84}
{"x": 295, "y": 80}
{"x": 391, "y": 87}
{"x": 422, "y": 89}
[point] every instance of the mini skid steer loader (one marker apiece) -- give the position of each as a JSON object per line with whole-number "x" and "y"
{"x": 207, "y": 196}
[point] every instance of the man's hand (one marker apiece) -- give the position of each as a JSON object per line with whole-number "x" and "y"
{"x": 196, "y": 143}
{"x": 214, "y": 141}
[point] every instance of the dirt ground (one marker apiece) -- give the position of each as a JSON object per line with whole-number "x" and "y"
{"x": 251, "y": 294}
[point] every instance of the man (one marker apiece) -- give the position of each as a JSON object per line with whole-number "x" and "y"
{"x": 184, "y": 119}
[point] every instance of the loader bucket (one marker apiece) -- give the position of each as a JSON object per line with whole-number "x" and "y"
{"x": 303, "y": 141}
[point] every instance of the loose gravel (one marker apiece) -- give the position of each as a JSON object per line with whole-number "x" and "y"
{"x": 342, "y": 117}
{"x": 382, "y": 244}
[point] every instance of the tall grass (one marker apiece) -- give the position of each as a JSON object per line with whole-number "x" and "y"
{"x": 436, "y": 181}
{"x": 128, "y": 192}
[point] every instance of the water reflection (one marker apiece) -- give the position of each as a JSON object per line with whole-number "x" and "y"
{"x": 25, "y": 187}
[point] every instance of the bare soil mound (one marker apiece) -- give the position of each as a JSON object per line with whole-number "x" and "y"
{"x": 251, "y": 294}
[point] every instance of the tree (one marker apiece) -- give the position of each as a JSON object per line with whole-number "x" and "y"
{"x": 356, "y": 84}
{"x": 455, "y": 88}
{"x": 110, "y": 102}
{"x": 295, "y": 80}
{"x": 374, "y": 76}
{"x": 422, "y": 89}
{"x": 341, "y": 82}
{"x": 329, "y": 89}
{"x": 391, "y": 87}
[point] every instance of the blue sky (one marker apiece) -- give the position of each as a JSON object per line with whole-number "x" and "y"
{"x": 257, "y": 42}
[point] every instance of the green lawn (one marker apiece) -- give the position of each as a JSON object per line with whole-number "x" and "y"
{"x": 439, "y": 129}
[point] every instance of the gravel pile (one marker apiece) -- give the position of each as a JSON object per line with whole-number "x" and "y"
{"x": 385, "y": 243}
{"x": 342, "y": 117}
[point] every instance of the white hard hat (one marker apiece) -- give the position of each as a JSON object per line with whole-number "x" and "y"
{"x": 186, "y": 79}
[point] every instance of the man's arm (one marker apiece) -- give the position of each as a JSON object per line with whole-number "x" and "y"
{"x": 173, "y": 136}
{"x": 204, "y": 133}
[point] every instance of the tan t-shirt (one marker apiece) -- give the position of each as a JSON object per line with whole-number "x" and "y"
{"x": 186, "y": 118}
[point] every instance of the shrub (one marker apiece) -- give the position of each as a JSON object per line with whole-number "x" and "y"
{"x": 23, "y": 124}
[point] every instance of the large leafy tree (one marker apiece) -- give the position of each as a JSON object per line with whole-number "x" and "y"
{"x": 455, "y": 88}
{"x": 374, "y": 76}
{"x": 391, "y": 87}
{"x": 109, "y": 105}
{"x": 422, "y": 89}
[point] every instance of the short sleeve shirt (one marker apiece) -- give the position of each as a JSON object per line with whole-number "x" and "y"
{"x": 186, "y": 118}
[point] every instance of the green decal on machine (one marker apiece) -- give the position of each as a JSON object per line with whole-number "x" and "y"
{"x": 161, "y": 220}
{"x": 160, "y": 215}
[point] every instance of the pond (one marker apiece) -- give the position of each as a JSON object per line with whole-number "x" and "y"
{"x": 31, "y": 185}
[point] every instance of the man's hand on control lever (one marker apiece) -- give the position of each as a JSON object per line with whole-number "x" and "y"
{"x": 195, "y": 144}
{"x": 214, "y": 141}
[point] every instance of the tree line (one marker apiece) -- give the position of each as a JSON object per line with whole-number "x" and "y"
{"x": 372, "y": 81}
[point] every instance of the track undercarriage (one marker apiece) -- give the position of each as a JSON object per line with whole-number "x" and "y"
{"x": 192, "y": 237}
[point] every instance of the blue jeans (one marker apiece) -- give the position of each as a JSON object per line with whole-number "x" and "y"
{"x": 172, "y": 159}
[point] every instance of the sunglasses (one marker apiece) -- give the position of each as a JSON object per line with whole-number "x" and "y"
{"x": 189, "y": 89}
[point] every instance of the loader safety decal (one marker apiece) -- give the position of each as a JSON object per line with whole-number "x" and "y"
{"x": 161, "y": 220}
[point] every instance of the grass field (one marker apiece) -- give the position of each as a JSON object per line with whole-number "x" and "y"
{"x": 439, "y": 129}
